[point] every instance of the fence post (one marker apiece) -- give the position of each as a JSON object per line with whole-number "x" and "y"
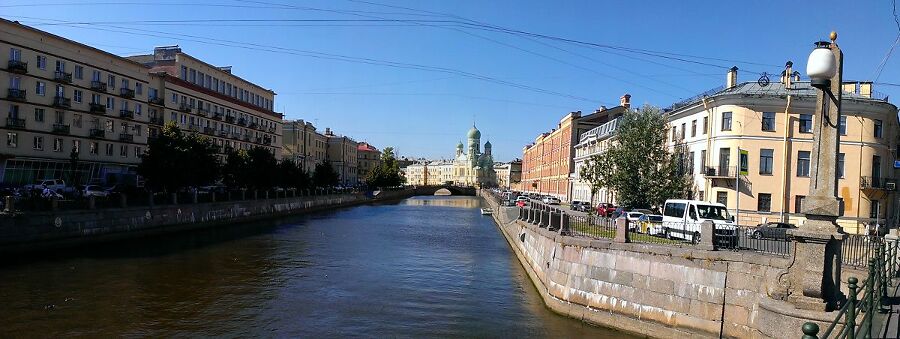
{"x": 851, "y": 308}
{"x": 564, "y": 224}
{"x": 882, "y": 279}
{"x": 870, "y": 297}
{"x": 622, "y": 230}
{"x": 554, "y": 220}
{"x": 707, "y": 236}
{"x": 810, "y": 330}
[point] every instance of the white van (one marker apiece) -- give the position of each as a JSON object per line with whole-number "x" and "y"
{"x": 682, "y": 219}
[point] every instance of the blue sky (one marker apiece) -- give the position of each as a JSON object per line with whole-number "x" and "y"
{"x": 513, "y": 86}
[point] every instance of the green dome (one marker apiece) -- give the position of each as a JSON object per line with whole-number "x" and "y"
{"x": 487, "y": 144}
{"x": 459, "y": 145}
{"x": 474, "y": 133}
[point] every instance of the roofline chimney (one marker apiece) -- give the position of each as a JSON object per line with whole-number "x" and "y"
{"x": 625, "y": 101}
{"x": 731, "y": 78}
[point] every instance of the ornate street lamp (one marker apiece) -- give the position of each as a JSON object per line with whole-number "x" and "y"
{"x": 821, "y": 66}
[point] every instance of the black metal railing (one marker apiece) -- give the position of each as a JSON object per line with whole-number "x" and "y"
{"x": 15, "y": 123}
{"x": 15, "y": 94}
{"x": 126, "y": 92}
{"x": 126, "y": 114}
{"x": 720, "y": 171}
{"x": 97, "y": 133}
{"x": 760, "y": 238}
{"x": 202, "y": 111}
{"x": 217, "y": 116}
{"x": 877, "y": 183}
{"x": 61, "y": 129}
{"x": 157, "y": 121}
{"x": 62, "y": 76}
{"x": 857, "y": 249}
{"x": 98, "y": 86}
{"x": 229, "y": 119}
{"x": 62, "y": 102}
{"x": 17, "y": 66}
{"x": 209, "y": 130}
{"x": 98, "y": 108}
{"x": 242, "y": 122}
{"x": 126, "y": 137}
{"x": 157, "y": 101}
{"x": 592, "y": 226}
{"x": 253, "y": 125}
{"x": 184, "y": 107}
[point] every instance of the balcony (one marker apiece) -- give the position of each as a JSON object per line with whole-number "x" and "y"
{"x": 877, "y": 183}
{"x": 98, "y": 108}
{"x": 184, "y": 107}
{"x": 253, "y": 125}
{"x": 267, "y": 140}
{"x": 246, "y": 137}
{"x": 62, "y": 77}
{"x": 258, "y": 140}
{"x": 229, "y": 119}
{"x": 15, "y": 94}
{"x": 61, "y": 129}
{"x": 62, "y": 102}
{"x": 223, "y": 134}
{"x": 14, "y": 123}
{"x": 209, "y": 130}
{"x": 98, "y": 86}
{"x": 97, "y": 133}
{"x": 217, "y": 116}
{"x": 126, "y": 137}
{"x": 126, "y": 114}
{"x": 157, "y": 101}
{"x": 236, "y": 135}
{"x": 202, "y": 111}
{"x": 720, "y": 172}
{"x": 271, "y": 129}
{"x": 126, "y": 93}
{"x": 157, "y": 121}
{"x": 17, "y": 66}
{"x": 242, "y": 122}
{"x": 194, "y": 127}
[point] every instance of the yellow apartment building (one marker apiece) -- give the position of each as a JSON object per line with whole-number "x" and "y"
{"x": 301, "y": 142}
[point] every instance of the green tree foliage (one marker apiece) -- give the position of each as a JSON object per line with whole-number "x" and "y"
{"x": 291, "y": 175}
{"x": 175, "y": 160}
{"x": 387, "y": 172}
{"x": 324, "y": 175}
{"x": 638, "y": 165}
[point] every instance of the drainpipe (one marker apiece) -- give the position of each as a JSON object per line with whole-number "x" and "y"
{"x": 786, "y": 152}
{"x": 860, "y": 162}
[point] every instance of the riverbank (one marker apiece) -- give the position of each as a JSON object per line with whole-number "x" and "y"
{"x": 34, "y": 231}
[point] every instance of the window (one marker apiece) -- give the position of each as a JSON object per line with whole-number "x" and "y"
{"x": 109, "y": 126}
{"x": 722, "y": 198}
{"x": 183, "y": 73}
{"x": 94, "y": 147}
{"x": 703, "y": 161}
{"x": 15, "y": 54}
{"x": 123, "y": 151}
{"x": 683, "y": 130}
{"x": 111, "y": 81}
{"x": 876, "y": 170}
{"x": 110, "y": 103}
{"x": 674, "y": 133}
{"x": 139, "y": 88}
{"x": 95, "y": 98}
{"x": 57, "y": 144}
{"x": 805, "y": 123}
{"x": 137, "y": 130}
{"x": 193, "y": 73}
{"x": 803, "y": 163}
{"x": 766, "y": 161}
{"x": 38, "y": 143}
{"x": 125, "y": 83}
{"x": 693, "y": 127}
{"x": 12, "y": 139}
{"x": 60, "y": 66}
{"x": 690, "y": 162}
{"x": 76, "y": 120}
{"x": 77, "y": 96}
{"x": 798, "y": 203}
{"x": 41, "y": 62}
{"x": 137, "y": 109}
{"x": 840, "y": 165}
{"x": 174, "y": 98}
{"x": 768, "y": 121}
{"x": 109, "y": 149}
{"x": 95, "y": 76}
{"x": 726, "y": 121}
{"x": 842, "y": 127}
{"x": 76, "y": 146}
{"x": 879, "y": 129}
{"x": 39, "y": 114}
{"x": 60, "y": 91}
{"x": 874, "y": 209}
{"x": 40, "y": 88}
{"x": 60, "y": 117}
{"x": 764, "y": 202}
{"x": 79, "y": 72}
{"x": 138, "y": 152}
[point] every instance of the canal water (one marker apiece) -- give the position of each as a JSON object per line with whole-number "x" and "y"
{"x": 421, "y": 267}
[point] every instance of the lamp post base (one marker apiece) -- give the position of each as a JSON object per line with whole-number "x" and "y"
{"x": 815, "y": 275}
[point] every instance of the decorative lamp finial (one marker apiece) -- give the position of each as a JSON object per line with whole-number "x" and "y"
{"x": 833, "y": 36}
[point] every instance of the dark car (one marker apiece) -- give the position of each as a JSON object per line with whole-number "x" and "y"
{"x": 581, "y": 206}
{"x": 772, "y": 230}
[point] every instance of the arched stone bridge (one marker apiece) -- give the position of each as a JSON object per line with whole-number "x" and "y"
{"x": 445, "y": 190}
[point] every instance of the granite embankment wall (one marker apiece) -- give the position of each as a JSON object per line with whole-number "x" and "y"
{"x": 663, "y": 291}
{"x": 43, "y": 230}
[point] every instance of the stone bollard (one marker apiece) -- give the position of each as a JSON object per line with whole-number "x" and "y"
{"x": 92, "y": 202}
{"x": 123, "y": 200}
{"x": 10, "y": 203}
{"x": 554, "y": 220}
{"x": 707, "y": 238}
{"x": 564, "y": 225}
{"x": 545, "y": 218}
{"x": 174, "y": 198}
{"x": 622, "y": 233}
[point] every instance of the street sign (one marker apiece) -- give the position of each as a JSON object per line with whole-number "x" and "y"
{"x": 745, "y": 162}
{"x": 896, "y": 163}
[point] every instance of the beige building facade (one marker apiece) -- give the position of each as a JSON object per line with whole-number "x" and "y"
{"x": 368, "y": 157}
{"x": 343, "y": 156}
{"x": 763, "y": 135}
{"x": 508, "y": 174}
{"x": 302, "y": 143}
{"x": 591, "y": 143}
{"x": 73, "y": 112}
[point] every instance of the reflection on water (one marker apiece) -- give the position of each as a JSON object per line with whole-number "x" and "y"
{"x": 423, "y": 267}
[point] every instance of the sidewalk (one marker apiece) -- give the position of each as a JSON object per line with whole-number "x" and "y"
{"x": 891, "y": 327}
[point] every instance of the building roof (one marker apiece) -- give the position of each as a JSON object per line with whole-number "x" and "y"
{"x": 366, "y": 147}
{"x": 777, "y": 89}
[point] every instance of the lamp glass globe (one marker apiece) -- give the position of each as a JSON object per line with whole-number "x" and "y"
{"x": 821, "y": 64}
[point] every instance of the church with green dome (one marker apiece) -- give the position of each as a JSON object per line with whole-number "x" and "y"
{"x": 471, "y": 166}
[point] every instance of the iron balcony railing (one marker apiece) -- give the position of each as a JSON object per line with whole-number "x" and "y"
{"x": 62, "y": 102}
{"x": 209, "y": 130}
{"x": 126, "y": 137}
{"x": 194, "y": 127}
{"x": 253, "y": 125}
{"x": 157, "y": 121}
{"x": 126, "y": 114}
{"x": 15, "y": 94}
{"x": 62, "y": 76}
{"x": 98, "y": 86}
{"x": 217, "y": 116}
{"x": 157, "y": 101}
{"x": 61, "y": 129}
{"x": 223, "y": 134}
{"x": 880, "y": 183}
{"x": 15, "y": 123}
{"x": 202, "y": 111}
{"x": 126, "y": 92}
{"x": 184, "y": 107}
{"x": 246, "y": 137}
{"x": 17, "y": 66}
{"x": 271, "y": 129}
{"x": 242, "y": 122}
{"x": 98, "y": 108}
{"x": 97, "y": 133}
{"x": 229, "y": 119}
{"x": 720, "y": 171}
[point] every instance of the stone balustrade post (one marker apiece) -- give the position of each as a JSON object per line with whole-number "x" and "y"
{"x": 255, "y": 194}
{"x": 267, "y": 194}
{"x": 707, "y": 236}
{"x": 554, "y": 220}
{"x": 564, "y": 224}
{"x": 622, "y": 233}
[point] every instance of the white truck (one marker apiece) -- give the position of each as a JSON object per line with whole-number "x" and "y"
{"x": 682, "y": 220}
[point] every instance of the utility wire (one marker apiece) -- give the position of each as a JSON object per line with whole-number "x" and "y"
{"x": 887, "y": 56}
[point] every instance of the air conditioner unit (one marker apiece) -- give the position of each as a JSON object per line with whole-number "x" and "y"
{"x": 890, "y": 186}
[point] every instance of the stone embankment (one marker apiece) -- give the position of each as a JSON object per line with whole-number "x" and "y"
{"x": 31, "y": 231}
{"x": 661, "y": 291}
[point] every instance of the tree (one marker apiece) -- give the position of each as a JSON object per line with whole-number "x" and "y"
{"x": 175, "y": 160}
{"x": 324, "y": 175}
{"x": 291, "y": 175}
{"x": 638, "y": 165}
{"x": 387, "y": 172}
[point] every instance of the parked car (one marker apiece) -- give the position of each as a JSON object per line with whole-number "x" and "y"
{"x": 771, "y": 230}
{"x": 582, "y": 206}
{"x": 682, "y": 219}
{"x": 650, "y": 224}
{"x": 521, "y": 198}
{"x": 520, "y": 203}
{"x": 55, "y": 185}
{"x": 633, "y": 219}
{"x": 605, "y": 209}
{"x": 94, "y": 191}
{"x": 551, "y": 200}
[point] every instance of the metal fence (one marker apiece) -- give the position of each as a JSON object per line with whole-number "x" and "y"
{"x": 856, "y": 250}
{"x": 592, "y": 226}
